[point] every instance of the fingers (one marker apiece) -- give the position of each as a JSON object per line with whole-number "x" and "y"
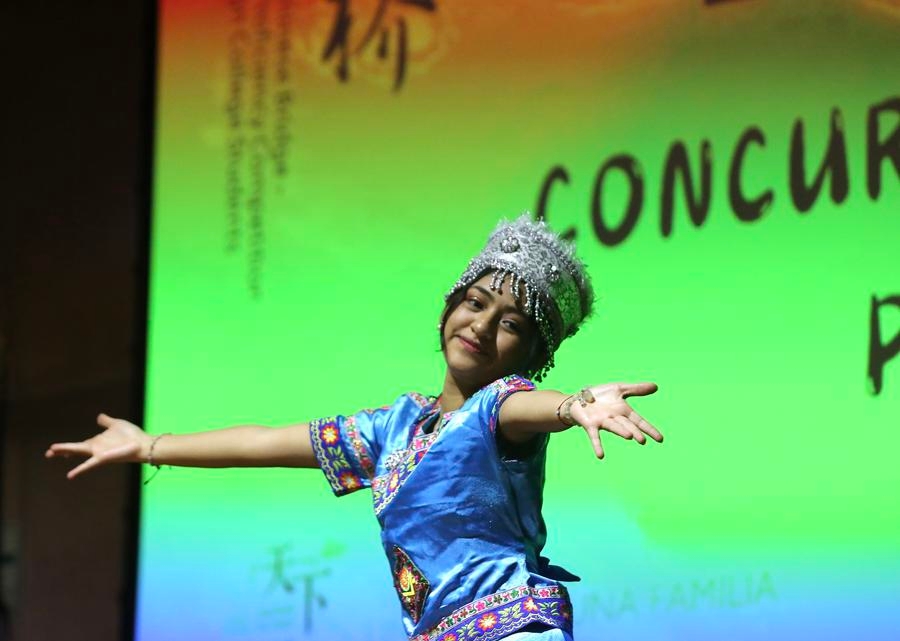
{"x": 594, "y": 436}
{"x": 119, "y": 453}
{"x": 645, "y": 427}
{"x": 105, "y": 421}
{"x": 631, "y": 428}
{"x": 68, "y": 449}
{"x": 84, "y": 467}
{"x": 610, "y": 424}
{"x": 638, "y": 389}
{"x": 89, "y": 447}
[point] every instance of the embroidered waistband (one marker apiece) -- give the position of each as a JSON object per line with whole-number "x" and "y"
{"x": 498, "y": 614}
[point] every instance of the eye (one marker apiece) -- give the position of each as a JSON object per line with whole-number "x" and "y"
{"x": 474, "y": 303}
{"x": 511, "y": 325}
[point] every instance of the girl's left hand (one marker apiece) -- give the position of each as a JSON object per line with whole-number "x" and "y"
{"x": 610, "y": 412}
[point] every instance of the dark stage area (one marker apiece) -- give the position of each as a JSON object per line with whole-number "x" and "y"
{"x": 76, "y": 150}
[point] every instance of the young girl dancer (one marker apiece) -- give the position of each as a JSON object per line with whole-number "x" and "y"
{"x": 456, "y": 479}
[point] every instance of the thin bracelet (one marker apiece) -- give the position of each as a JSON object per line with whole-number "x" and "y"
{"x": 153, "y": 445}
{"x": 150, "y": 457}
{"x": 568, "y": 412}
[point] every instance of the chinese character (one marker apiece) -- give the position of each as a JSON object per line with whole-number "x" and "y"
{"x": 390, "y": 36}
{"x": 286, "y": 572}
{"x": 278, "y": 566}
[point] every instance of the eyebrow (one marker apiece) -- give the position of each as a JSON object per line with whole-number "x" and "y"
{"x": 490, "y": 295}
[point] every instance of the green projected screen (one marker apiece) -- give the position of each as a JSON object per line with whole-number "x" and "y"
{"x": 730, "y": 173}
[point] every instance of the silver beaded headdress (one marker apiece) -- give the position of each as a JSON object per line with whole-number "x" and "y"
{"x": 544, "y": 271}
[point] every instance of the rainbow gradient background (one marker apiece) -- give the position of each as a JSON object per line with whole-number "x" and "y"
{"x": 306, "y": 228}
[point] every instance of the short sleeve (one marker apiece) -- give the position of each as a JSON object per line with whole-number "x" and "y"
{"x": 347, "y": 447}
{"x": 493, "y": 396}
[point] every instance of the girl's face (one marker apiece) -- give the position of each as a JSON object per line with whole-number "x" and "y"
{"x": 487, "y": 336}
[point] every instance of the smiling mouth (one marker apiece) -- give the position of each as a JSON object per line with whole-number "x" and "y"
{"x": 470, "y": 346}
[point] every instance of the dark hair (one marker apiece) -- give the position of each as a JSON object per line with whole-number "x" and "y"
{"x": 539, "y": 356}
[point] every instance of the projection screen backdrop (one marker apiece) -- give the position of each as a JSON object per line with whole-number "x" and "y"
{"x": 729, "y": 171}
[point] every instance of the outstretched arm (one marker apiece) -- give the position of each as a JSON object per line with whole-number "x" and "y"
{"x": 243, "y": 446}
{"x": 525, "y": 414}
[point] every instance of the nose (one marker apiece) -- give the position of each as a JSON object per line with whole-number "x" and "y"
{"x": 481, "y": 325}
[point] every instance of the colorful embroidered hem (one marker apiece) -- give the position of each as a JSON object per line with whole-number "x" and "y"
{"x": 336, "y": 458}
{"x": 502, "y": 613}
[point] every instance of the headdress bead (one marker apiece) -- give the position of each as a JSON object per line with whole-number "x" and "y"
{"x": 557, "y": 289}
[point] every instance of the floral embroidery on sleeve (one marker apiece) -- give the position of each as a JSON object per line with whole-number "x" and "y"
{"x": 503, "y": 389}
{"x": 347, "y": 466}
{"x": 359, "y": 447}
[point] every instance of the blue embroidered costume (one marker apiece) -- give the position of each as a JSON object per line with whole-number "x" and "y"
{"x": 461, "y": 525}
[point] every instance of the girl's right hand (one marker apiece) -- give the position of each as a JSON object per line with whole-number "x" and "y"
{"x": 119, "y": 442}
